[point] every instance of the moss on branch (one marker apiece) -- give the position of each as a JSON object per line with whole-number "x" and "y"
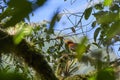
{"x": 33, "y": 58}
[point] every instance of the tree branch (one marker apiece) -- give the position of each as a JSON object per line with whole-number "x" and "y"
{"x": 31, "y": 56}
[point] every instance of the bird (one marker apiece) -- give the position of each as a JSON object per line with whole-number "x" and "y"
{"x": 74, "y": 46}
{"x": 71, "y": 45}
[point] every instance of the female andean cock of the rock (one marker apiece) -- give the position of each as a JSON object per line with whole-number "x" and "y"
{"x": 71, "y": 45}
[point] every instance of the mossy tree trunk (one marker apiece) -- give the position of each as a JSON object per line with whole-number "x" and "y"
{"x": 31, "y": 57}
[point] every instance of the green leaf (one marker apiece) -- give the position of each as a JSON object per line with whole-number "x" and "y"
{"x": 59, "y": 16}
{"x": 114, "y": 7}
{"x": 96, "y": 33}
{"x": 114, "y": 30}
{"x": 52, "y": 23}
{"x": 99, "y": 6}
{"x": 96, "y": 44}
{"x": 92, "y": 78}
{"x": 23, "y": 30}
{"x": 81, "y": 48}
{"x": 93, "y": 24}
{"x": 108, "y": 18}
{"x": 107, "y": 2}
{"x": 119, "y": 15}
{"x": 107, "y": 73}
{"x": 18, "y": 12}
{"x": 87, "y": 13}
{"x": 11, "y": 75}
{"x": 99, "y": 14}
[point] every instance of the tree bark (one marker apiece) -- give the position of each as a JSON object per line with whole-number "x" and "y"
{"x": 32, "y": 57}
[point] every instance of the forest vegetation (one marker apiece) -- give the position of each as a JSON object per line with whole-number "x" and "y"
{"x": 37, "y": 51}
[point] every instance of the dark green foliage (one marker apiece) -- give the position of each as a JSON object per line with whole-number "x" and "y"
{"x": 115, "y": 7}
{"x": 52, "y": 23}
{"x": 81, "y": 48}
{"x": 14, "y": 11}
{"x": 106, "y": 73}
{"x": 99, "y": 6}
{"x": 108, "y": 17}
{"x": 87, "y": 13}
{"x": 96, "y": 33}
{"x": 93, "y": 24}
{"x": 11, "y": 76}
{"x": 44, "y": 46}
{"x": 17, "y": 10}
{"x": 40, "y": 2}
{"x": 108, "y": 22}
{"x": 113, "y": 30}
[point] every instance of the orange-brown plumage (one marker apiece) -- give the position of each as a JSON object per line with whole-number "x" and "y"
{"x": 71, "y": 45}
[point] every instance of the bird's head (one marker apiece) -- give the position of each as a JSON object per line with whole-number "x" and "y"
{"x": 68, "y": 42}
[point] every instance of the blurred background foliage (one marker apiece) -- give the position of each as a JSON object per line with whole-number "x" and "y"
{"x": 92, "y": 60}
